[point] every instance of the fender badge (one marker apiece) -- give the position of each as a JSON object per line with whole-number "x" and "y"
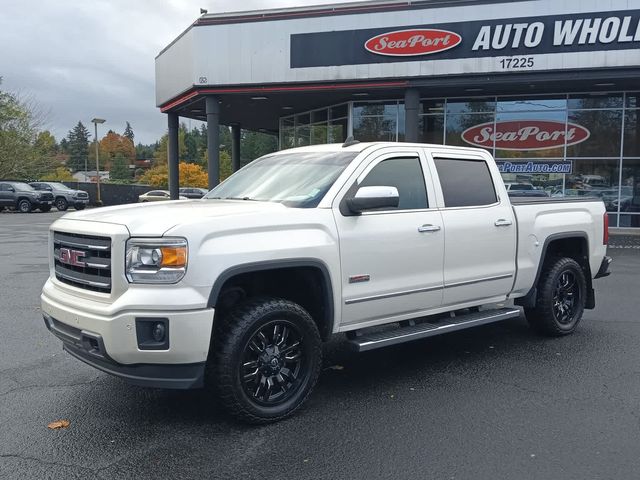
{"x": 359, "y": 278}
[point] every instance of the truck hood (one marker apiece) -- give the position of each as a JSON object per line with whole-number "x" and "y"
{"x": 154, "y": 219}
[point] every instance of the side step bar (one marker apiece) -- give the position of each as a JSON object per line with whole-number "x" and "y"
{"x": 424, "y": 330}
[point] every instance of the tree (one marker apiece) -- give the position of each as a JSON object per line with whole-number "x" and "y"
{"x": 191, "y": 175}
{"x": 119, "y": 168}
{"x": 20, "y": 154}
{"x": 112, "y": 145}
{"x": 128, "y": 133}
{"x": 255, "y": 145}
{"x": 60, "y": 174}
{"x": 78, "y": 146}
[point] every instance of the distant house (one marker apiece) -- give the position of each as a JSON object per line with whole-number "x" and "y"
{"x": 91, "y": 176}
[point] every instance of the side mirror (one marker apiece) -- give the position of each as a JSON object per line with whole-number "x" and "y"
{"x": 369, "y": 198}
{"x": 11, "y": 189}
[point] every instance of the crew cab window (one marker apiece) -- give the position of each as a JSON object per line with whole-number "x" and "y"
{"x": 4, "y": 187}
{"x": 465, "y": 183}
{"x": 406, "y": 175}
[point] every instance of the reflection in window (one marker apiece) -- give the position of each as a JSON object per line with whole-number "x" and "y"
{"x": 595, "y": 101}
{"x": 472, "y": 105}
{"x": 375, "y": 122}
{"x": 604, "y": 127}
{"x": 431, "y": 129}
{"x": 458, "y": 124}
{"x": 632, "y": 133}
{"x": 532, "y": 104}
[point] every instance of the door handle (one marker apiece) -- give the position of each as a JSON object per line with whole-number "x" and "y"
{"x": 428, "y": 228}
{"x": 502, "y": 223}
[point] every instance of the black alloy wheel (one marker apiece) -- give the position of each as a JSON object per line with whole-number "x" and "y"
{"x": 265, "y": 360}
{"x": 566, "y": 297}
{"x": 562, "y": 292}
{"x": 273, "y": 363}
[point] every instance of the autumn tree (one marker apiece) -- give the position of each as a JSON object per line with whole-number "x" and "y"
{"x": 191, "y": 175}
{"x": 112, "y": 145}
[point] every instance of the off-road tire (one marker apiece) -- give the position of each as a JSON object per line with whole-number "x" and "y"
{"x": 232, "y": 335}
{"x": 61, "y": 204}
{"x": 547, "y": 316}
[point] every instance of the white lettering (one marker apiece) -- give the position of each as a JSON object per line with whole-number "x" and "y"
{"x": 589, "y": 30}
{"x": 565, "y": 32}
{"x": 382, "y": 44}
{"x": 609, "y": 30}
{"x": 624, "y": 31}
{"x": 483, "y": 41}
{"x": 501, "y": 36}
{"x": 518, "y": 28}
{"x": 486, "y": 135}
{"x": 534, "y": 33}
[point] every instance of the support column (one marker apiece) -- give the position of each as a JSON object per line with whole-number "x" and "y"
{"x": 235, "y": 147}
{"x": 174, "y": 167}
{"x": 213, "y": 140}
{"x": 411, "y": 114}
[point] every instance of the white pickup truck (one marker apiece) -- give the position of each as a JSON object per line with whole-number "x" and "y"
{"x": 386, "y": 242}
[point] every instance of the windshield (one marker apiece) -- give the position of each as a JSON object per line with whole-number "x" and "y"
{"x": 59, "y": 186}
{"x": 297, "y": 180}
{"x": 23, "y": 187}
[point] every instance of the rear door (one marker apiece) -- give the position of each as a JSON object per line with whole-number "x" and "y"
{"x": 480, "y": 230}
{"x": 391, "y": 259}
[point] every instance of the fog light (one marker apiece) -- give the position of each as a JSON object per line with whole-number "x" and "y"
{"x": 158, "y": 332}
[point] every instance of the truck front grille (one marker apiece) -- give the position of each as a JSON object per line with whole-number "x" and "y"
{"x": 83, "y": 261}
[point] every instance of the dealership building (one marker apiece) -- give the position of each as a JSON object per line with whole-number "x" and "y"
{"x": 551, "y": 88}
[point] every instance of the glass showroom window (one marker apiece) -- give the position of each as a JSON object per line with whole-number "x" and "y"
{"x": 431, "y": 122}
{"x": 375, "y": 122}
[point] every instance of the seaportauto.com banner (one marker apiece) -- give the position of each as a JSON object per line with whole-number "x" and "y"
{"x": 516, "y": 39}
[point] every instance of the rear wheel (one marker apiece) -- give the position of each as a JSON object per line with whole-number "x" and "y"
{"x": 24, "y": 206}
{"x": 62, "y": 204}
{"x": 267, "y": 358}
{"x": 562, "y": 293}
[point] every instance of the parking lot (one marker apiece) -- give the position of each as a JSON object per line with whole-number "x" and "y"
{"x": 495, "y": 402}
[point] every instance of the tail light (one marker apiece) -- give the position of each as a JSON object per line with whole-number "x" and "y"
{"x": 605, "y": 232}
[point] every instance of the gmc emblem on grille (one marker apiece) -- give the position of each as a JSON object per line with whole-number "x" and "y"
{"x": 72, "y": 257}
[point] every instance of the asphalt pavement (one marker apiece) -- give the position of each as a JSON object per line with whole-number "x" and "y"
{"x": 495, "y": 402}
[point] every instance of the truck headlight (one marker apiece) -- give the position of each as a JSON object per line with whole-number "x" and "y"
{"x": 156, "y": 260}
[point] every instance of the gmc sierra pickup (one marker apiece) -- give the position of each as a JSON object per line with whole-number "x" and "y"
{"x": 385, "y": 242}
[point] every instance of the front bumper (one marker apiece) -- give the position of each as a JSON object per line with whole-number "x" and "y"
{"x": 110, "y": 341}
{"x": 80, "y": 201}
{"x": 90, "y": 349}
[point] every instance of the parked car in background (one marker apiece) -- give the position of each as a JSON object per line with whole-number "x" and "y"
{"x": 192, "y": 192}
{"x": 157, "y": 196}
{"x": 63, "y": 196}
{"x": 524, "y": 190}
{"x": 23, "y": 197}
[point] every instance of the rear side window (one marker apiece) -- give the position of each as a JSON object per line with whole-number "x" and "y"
{"x": 406, "y": 175}
{"x": 465, "y": 183}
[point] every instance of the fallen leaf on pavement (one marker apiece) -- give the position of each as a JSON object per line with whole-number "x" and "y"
{"x": 58, "y": 424}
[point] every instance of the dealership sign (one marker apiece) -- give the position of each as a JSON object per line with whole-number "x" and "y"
{"x": 525, "y": 134}
{"x": 536, "y": 167}
{"x": 406, "y": 43}
{"x": 523, "y": 37}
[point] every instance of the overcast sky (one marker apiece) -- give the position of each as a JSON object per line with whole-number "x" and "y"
{"x": 81, "y": 59}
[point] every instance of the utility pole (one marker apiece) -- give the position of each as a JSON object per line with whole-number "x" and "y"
{"x": 95, "y": 122}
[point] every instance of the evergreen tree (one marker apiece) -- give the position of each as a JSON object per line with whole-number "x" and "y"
{"x": 128, "y": 133}
{"x": 119, "y": 168}
{"x": 78, "y": 146}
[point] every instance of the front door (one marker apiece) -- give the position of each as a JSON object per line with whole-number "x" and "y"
{"x": 391, "y": 259}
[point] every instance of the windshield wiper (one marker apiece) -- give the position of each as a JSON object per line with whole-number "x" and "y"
{"x": 233, "y": 198}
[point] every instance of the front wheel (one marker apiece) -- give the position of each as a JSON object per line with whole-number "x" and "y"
{"x": 24, "y": 206}
{"x": 267, "y": 358}
{"x": 62, "y": 204}
{"x": 562, "y": 294}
